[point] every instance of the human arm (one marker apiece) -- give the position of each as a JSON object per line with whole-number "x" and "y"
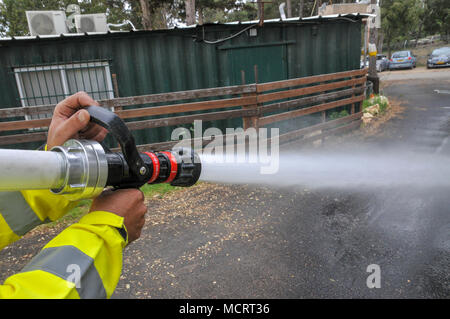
{"x": 85, "y": 260}
{"x": 22, "y": 211}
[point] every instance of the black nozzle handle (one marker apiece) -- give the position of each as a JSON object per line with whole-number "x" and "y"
{"x": 117, "y": 128}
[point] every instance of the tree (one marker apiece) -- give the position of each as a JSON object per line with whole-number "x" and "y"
{"x": 190, "y": 12}
{"x": 222, "y": 10}
{"x": 272, "y": 11}
{"x": 146, "y": 15}
{"x": 151, "y": 14}
{"x": 289, "y": 8}
{"x": 13, "y": 21}
{"x": 399, "y": 20}
{"x": 436, "y": 17}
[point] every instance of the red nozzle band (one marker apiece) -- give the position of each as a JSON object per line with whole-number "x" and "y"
{"x": 173, "y": 167}
{"x": 156, "y": 167}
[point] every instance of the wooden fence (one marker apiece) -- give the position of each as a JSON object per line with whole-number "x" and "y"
{"x": 284, "y": 100}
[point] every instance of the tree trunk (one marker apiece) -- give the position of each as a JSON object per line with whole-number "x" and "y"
{"x": 146, "y": 17}
{"x": 388, "y": 43}
{"x": 419, "y": 33}
{"x": 164, "y": 17}
{"x": 300, "y": 8}
{"x": 289, "y": 8}
{"x": 316, "y": 9}
{"x": 380, "y": 41}
{"x": 190, "y": 12}
{"x": 200, "y": 16}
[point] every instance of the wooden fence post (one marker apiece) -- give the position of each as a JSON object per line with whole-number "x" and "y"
{"x": 352, "y": 109}
{"x": 250, "y": 121}
{"x": 255, "y": 119}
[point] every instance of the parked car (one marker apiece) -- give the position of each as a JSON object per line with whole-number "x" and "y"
{"x": 401, "y": 60}
{"x": 382, "y": 63}
{"x": 364, "y": 64}
{"x": 439, "y": 58}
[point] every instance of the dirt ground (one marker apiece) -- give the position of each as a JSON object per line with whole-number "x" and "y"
{"x": 419, "y": 73}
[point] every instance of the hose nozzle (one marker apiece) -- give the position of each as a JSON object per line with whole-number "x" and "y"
{"x": 81, "y": 169}
{"x": 179, "y": 167}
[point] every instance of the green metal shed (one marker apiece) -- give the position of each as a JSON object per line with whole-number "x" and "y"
{"x": 45, "y": 69}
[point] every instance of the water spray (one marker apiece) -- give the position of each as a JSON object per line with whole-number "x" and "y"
{"x": 81, "y": 169}
{"x": 337, "y": 169}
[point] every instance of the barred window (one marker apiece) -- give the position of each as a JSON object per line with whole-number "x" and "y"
{"x": 49, "y": 84}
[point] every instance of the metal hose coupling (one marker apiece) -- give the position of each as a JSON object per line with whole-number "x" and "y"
{"x": 84, "y": 167}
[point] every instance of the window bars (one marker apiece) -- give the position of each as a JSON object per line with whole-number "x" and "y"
{"x": 49, "y": 84}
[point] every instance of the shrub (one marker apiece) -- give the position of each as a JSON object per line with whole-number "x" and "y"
{"x": 381, "y": 100}
{"x": 335, "y": 115}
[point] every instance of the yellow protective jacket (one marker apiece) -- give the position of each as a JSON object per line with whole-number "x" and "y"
{"x": 84, "y": 261}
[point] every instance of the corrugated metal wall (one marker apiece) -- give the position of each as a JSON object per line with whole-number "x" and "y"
{"x": 176, "y": 60}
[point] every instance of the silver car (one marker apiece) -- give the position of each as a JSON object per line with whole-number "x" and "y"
{"x": 402, "y": 60}
{"x": 382, "y": 63}
{"x": 439, "y": 58}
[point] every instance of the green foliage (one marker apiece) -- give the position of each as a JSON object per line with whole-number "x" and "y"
{"x": 400, "y": 19}
{"x": 13, "y": 21}
{"x": 411, "y": 19}
{"x": 240, "y": 10}
{"x": 336, "y": 115}
{"x": 73, "y": 215}
{"x": 271, "y": 10}
{"x": 376, "y": 99}
{"x": 436, "y": 17}
{"x": 163, "y": 13}
{"x": 157, "y": 190}
{"x": 366, "y": 104}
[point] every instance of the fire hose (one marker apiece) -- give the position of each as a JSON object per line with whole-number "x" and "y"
{"x": 82, "y": 169}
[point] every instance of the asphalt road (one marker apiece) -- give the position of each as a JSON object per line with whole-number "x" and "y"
{"x": 218, "y": 241}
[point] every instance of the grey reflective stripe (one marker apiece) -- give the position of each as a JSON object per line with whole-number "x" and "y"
{"x": 60, "y": 261}
{"x": 17, "y": 213}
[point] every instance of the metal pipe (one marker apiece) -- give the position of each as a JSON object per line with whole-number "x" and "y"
{"x": 77, "y": 170}
{"x": 281, "y": 8}
{"x": 118, "y": 25}
{"x": 24, "y": 170}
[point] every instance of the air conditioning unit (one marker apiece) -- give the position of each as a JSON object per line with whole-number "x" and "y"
{"x": 46, "y": 22}
{"x": 91, "y": 23}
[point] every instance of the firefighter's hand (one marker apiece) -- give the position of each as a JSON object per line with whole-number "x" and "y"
{"x": 128, "y": 203}
{"x": 71, "y": 121}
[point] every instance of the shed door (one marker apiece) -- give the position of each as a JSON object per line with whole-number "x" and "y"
{"x": 271, "y": 62}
